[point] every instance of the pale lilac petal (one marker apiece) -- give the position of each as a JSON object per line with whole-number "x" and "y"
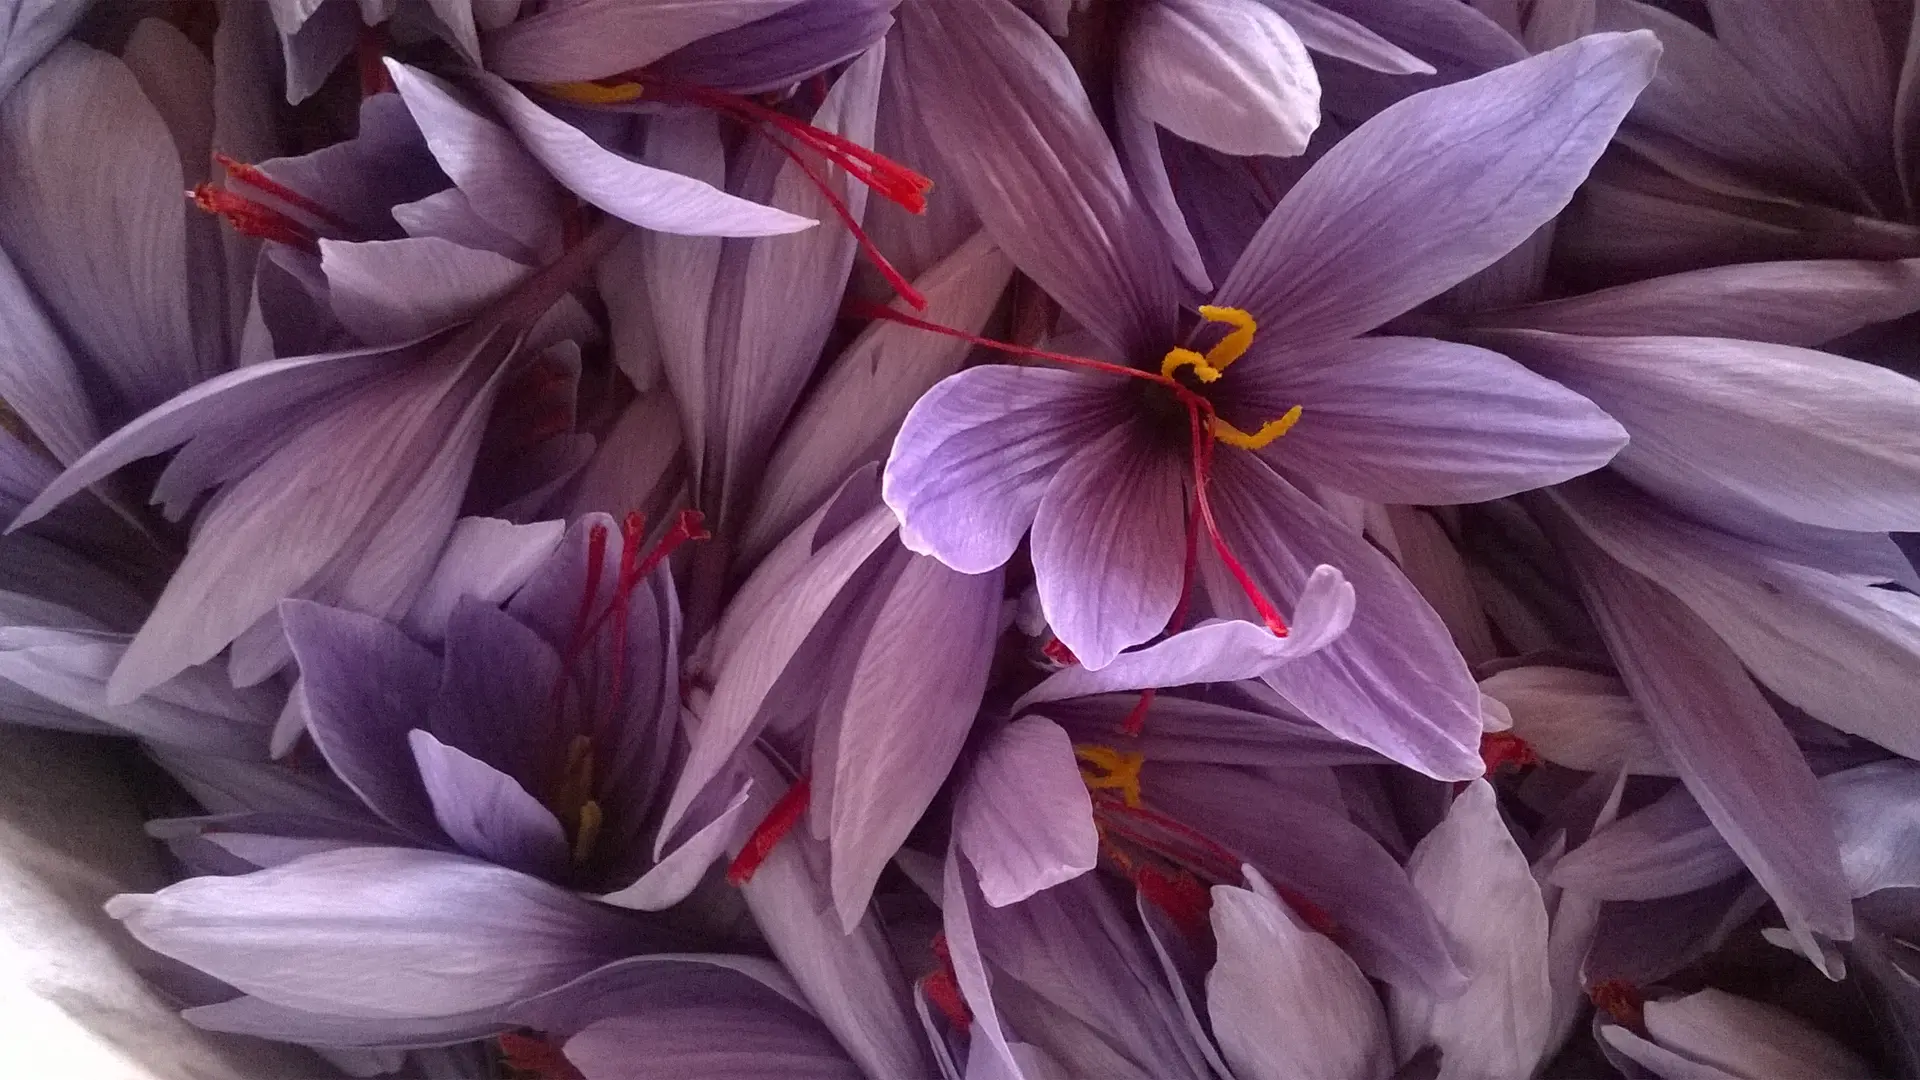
{"x": 1223, "y": 650}
{"x": 1731, "y": 749}
{"x": 975, "y": 456}
{"x": 1229, "y": 74}
{"x": 39, "y": 379}
{"x": 1109, "y": 543}
{"x": 1480, "y": 886}
{"x": 393, "y": 291}
{"x": 1286, "y": 1002}
{"x": 1666, "y": 849}
{"x": 852, "y": 415}
{"x": 103, "y": 242}
{"x": 366, "y": 685}
{"x": 677, "y": 873}
{"x": 1807, "y": 435}
{"x": 593, "y": 39}
{"x": 1393, "y": 681}
{"x": 377, "y": 932}
{"x": 648, "y": 197}
{"x": 1024, "y": 146}
{"x": 1434, "y": 189}
{"x": 486, "y": 812}
{"x": 1184, "y": 729}
{"x": 1578, "y": 719}
{"x": 764, "y": 1039}
{"x": 1874, "y": 810}
{"x": 1419, "y": 421}
{"x": 1660, "y": 1061}
{"x": 637, "y": 465}
{"x": 905, "y": 714}
{"x": 781, "y": 49}
{"x": 485, "y": 558}
{"x": 1789, "y": 302}
{"x": 28, "y": 30}
{"x": 1339, "y": 36}
{"x": 1749, "y": 1038}
{"x": 1024, "y": 820}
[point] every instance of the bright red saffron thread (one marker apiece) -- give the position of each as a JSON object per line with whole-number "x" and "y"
{"x": 767, "y": 835}
{"x": 243, "y": 173}
{"x": 258, "y": 220}
{"x": 1136, "y": 720}
{"x": 895, "y": 279}
{"x": 1181, "y": 895}
{"x": 1500, "y": 749}
{"x": 1057, "y": 651}
{"x": 942, "y": 988}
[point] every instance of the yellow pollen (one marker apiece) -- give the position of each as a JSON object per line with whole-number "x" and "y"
{"x": 587, "y": 833}
{"x": 1234, "y": 345}
{"x": 1116, "y": 770}
{"x": 1268, "y": 432}
{"x": 1178, "y": 358}
{"x": 593, "y": 93}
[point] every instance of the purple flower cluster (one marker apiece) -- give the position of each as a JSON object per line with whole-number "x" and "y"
{"x": 987, "y": 539}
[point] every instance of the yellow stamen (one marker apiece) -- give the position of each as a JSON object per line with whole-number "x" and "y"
{"x": 1268, "y": 432}
{"x": 1234, "y": 345}
{"x": 593, "y": 93}
{"x": 1178, "y": 358}
{"x": 588, "y": 832}
{"x": 1117, "y": 770}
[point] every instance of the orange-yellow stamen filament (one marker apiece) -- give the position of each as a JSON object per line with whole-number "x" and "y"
{"x": 593, "y": 93}
{"x": 1268, "y": 432}
{"x": 1105, "y": 769}
{"x": 1234, "y": 345}
{"x": 1210, "y": 367}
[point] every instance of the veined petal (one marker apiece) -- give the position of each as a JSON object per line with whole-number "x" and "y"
{"x": 1578, "y": 719}
{"x": 975, "y": 455}
{"x": 1339, "y": 36}
{"x": 1229, "y": 74}
{"x": 1874, "y": 809}
{"x": 1665, "y": 849}
{"x": 779, "y": 50}
{"x": 648, "y": 197}
{"x": 760, "y": 1037}
{"x": 392, "y": 291}
{"x": 1435, "y": 188}
{"x": 594, "y": 39}
{"x": 1419, "y": 421}
{"x": 485, "y": 558}
{"x": 1109, "y": 543}
{"x": 486, "y": 812}
{"x": 1024, "y": 820}
{"x": 39, "y": 380}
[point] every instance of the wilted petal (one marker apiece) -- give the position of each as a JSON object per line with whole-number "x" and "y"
{"x": 1419, "y": 421}
{"x": 1025, "y": 821}
{"x": 1224, "y": 650}
{"x": 1479, "y": 884}
{"x": 377, "y": 932}
{"x": 975, "y": 456}
{"x": 1434, "y": 189}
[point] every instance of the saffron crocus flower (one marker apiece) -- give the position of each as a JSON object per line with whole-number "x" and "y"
{"x": 1778, "y": 135}
{"x": 1098, "y": 463}
{"x": 1713, "y": 1034}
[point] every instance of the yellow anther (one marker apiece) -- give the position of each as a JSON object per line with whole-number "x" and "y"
{"x": 587, "y": 833}
{"x": 1268, "y": 432}
{"x": 1234, "y": 345}
{"x": 1178, "y": 358}
{"x": 593, "y": 93}
{"x": 1116, "y": 770}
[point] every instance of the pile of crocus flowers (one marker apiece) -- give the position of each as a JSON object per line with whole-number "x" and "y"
{"x": 987, "y": 539}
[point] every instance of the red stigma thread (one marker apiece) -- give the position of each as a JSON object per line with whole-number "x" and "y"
{"x": 255, "y": 219}
{"x": 1620, "y": 1000}
{"x": 1502, "y": 749}
{"x": 242, "y": 173}
{"x": 1057, "y": 651}
{"x": 942, "y": 988}
{"x": 767, "y": 835}
{"x": 1136, "y": 720}
{"x": 534, "y": 1058}
{"x": 1181, "y": 895}
{"x": 1200, "y": 416}
{"x": 369, "y": 52}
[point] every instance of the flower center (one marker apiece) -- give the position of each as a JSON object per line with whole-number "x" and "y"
{"x": 1210, "y": 367}
{"x": 1102, "y": 768}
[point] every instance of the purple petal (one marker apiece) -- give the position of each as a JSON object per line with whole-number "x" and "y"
{"x": 1109, "y": 543}
{"x": 1433, "y": 189}
{"x": 1746, "y": 434}
{"x": 648, "y": 197}
{"x": 486, "y": 812}
{"x": 1666, "y": 849}
{"x": 1748, "y": 1038}
{"x": 1874, "y": 814}
{"x": 1414, "y": 420}
{"x": 783, "y": 48}
{"x": 393, "y": 291}
{"x": 914, "y": 692}
{"x": 1805, "y": 302}
{"x": 1225, "y": 650}
{"x": 485, "y": 558}
{"x": 1336, "y": 35}
{"x": 975, "y": 456}
{"x": 1026, "y": 149}
{"x": 594, "y": 39}
{"x": 1578, "y": 719}
{"x": 682, "y": 868}
{"x": 32, "y": 28}
{"x": 38, "y": 377}
{"x": 760, "y": 1038}
{"x": 1024, "y": 820}
{"x": 496, "y": 684}
{"x": 1481, "y": 889}
{"x": 366, "y": 686}
{"x": 1728, "y": 745}
{"x": 1183, "y": 729}
{"x": 377, "y": 932}
{"x": 1394, "y": 681}
{"x": 1229, "y": 74}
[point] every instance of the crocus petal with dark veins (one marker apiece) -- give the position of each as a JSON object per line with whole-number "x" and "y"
{"x": 1229, "y": 74}
{"x": 1419, "y": 421}
{"x": 594, "y": 39}
{"x": 1479, "y": 884}
{"x": 648, "y": 197}
{"x": 1024, "y": 146}
{"x": 378, "y": 932}
{"x": 1024, "y": 821}
{"x": 1393, "y": 681}
{"x": 485, "y": 558}
{"x": 486, "y": 812}
{"x": 1434, "y": 189}
{"x": 976, "y": 454}
{"x": 1109, "y": 544}
{"x": 1285, "y": 1001}
{"x": 446, "y": 283}
{"x": 1223, "y": 650}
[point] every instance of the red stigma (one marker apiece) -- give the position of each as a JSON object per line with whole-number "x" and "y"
{"x": 1312, "y": 914}
{"x": 535, "y": 1058}
{"x": 1057, "y": 651}
{"x": 1182, "y": 896}
{"x": 242, "y": 173}
{"x": 369, "y": 52}
{"x": 1620, "y": 1000}
{"x": 767, "y": 835}
{"x": 942, "y": 988}
{"x": 1136, "y": 720}
{"x": 1501, "y": 749}
{"x": 255, "y": 219}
